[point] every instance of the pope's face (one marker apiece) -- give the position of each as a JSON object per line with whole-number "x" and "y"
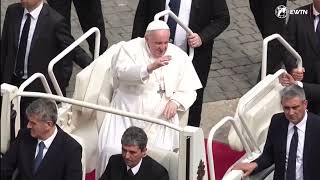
{"x": 157, "y": 41}
{"x": 132, "y": 154}
{"x": 294, "y": 109}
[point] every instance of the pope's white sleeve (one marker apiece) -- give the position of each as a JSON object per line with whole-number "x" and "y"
{"x": 184, "y": 98}
{"x": 126, "y": 71}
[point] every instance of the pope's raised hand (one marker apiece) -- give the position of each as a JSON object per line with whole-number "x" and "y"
{"x": 159, "y": 62}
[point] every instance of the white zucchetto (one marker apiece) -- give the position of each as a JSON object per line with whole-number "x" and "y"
{"x": 157, "y": 25}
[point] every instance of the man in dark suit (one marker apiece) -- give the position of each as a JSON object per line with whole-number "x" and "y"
{"x": 206, "y": 18}
{"x": 90, "y": 15}
{"x": 43, "y": 151}
{"x": 133, "y": 163}
{"x": 292, "y": 143}
{"x": 303, "y": 34}
{"x": 33, "y": 34}
{"x": 268, "y": 23}
{"x": 47, "y": 36}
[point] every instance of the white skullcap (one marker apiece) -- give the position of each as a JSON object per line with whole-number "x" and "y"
{"x": 157, "y": 25}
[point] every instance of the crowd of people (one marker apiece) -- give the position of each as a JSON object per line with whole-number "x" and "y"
{"x": 153, "y": 76}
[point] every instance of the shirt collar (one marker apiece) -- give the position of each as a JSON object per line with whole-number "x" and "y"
{"x": 48, "y": 141}
{"x": 315, "y": 12}
{"x": 34, "y": 13}
{"x": 136, "y": 168}
{"x": 302, "y": 124}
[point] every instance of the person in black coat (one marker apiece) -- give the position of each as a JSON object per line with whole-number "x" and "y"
{"x": 207, "y": 19}
{"x": 303, "y": 34}
{"x": 59, "y": 156}
{"x": 295, "y": 126}
{"x": 49, "y": 37}
{"x": 90, "y": 15}
{"x": 45, "y": 38}
{"x": 133, "y": 163}
{"x": 268, "y": 23}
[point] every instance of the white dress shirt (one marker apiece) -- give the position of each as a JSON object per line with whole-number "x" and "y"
{"x": 180, "y": 38}
{"x": 34, "y": 18}
{"x": 136, "y": 168}
{"x": 47, "y": 143}
{"x": 317, "y": 19}
{"x": 301, "y": 128}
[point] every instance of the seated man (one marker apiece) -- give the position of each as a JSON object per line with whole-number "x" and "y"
{"x": 303, "y": 34}
{"x": 292, "y": 143}
{"x": 150, "y": 77}
{"x": 133, "y": 163}
{"x": 43, "y": 151}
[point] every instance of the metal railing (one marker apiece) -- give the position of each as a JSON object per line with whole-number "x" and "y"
{"x": 265, "y": 52}
{"x": 210, "y": 140}
{"x": 69, "y": 49}
{"x": 242, "y": 108}
{"x": 25, "y": 84}
{"x": 100, "y": 108}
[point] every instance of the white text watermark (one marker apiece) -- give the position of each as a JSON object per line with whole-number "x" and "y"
{"x": 282, "y": 11}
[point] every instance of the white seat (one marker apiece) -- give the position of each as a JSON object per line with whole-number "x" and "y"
{"x": 256, "y": 108}
{"x": 167, "y": 159}
{"x": 94, "y": 85}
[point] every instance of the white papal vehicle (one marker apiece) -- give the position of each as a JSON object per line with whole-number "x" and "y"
{"x": 82, "y": 115}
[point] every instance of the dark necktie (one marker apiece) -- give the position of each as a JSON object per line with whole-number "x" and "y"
{"x": 318, "y": 31}
{"x": 39, "y": 157}
{"x": 130, "y": 173}
{"x": 291, "y": 166}
{"x": 22, "y": 47}
{"x": 174, "y": 7}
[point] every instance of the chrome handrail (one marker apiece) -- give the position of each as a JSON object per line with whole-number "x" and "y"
{"x": 186, "y": 28}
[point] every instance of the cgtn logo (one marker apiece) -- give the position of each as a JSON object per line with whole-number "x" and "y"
{"x": 282, "y": 11}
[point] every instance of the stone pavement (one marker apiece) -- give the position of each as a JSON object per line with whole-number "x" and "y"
{"x": 236, "y": 55}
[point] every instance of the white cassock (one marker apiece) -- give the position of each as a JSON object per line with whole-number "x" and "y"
{"x": 138, "y": 92}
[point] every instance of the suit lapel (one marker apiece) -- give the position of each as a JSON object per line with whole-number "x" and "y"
{"x": 283, "y": 143}
{"x": 123, "y": 170}
{"x": 29, "y": 150}
{"x": 307, "y": 145}
{"x": 162, "y": 5}
{"x": 52, "y": 153}
{"x": 195, "y": 6}
{"x": 143, "y": 171}
{"x": 17, "y": 24}
{"x": 310, "y": 30}
{"x": 41, "y": 24}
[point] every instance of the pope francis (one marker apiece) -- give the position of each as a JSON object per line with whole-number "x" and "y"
{"x": 151, "y": 77}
